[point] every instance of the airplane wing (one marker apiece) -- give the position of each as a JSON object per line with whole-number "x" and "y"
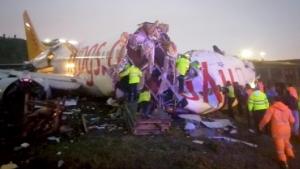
{"x": 55, "y": 81}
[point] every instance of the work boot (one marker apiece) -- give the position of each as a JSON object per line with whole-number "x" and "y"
{"x": 283, "y": 165}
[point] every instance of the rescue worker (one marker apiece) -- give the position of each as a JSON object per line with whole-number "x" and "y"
{"x": 182, "y": 66}
{"x": 144, "y": 102}
{"x": 260, "y": 85}
{"x": 281, "y": 119}
{"x": 230, "y": 97}
{"x": 248, "y": 91}
{"x": 292, "y": 103}
{"x": 124, "y": 78}
{"x": 257, "y": 104}
{"x": 293, "y": 91}
{"x": 135, "y": 75}
{"x": 271, "y": 92}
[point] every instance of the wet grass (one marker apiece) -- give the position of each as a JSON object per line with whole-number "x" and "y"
{"x": 122, "y": 151}
{"x": 174, "y": 150}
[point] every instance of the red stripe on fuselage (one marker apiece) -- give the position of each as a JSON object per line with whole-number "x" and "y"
{"x": 190, "y": 87}
{"x": 221, "y": 73}
{"x": 231, "y": 75}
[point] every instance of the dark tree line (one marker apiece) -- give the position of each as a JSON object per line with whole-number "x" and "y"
{"x": 12, "y": 50}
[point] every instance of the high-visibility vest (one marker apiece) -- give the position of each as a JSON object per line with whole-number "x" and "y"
{"x": 230, "y": 91}
{"x": 135, "y": 74}
{"x": 144, "y": 96}
{"x": 182, "y": 65}
{"x": 258, "y": 101}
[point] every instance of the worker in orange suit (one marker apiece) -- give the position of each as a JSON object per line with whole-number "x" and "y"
{"x": 293, "y": 91}
{"x": 281, "y": 119}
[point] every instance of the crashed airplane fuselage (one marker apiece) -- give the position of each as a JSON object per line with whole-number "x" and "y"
{"x": 95, "y": 68}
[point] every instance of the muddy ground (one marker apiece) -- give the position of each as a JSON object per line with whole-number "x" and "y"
{"x": 111, "y": 146}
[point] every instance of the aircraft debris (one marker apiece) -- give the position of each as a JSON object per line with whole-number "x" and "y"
{"x": 251, "y": 131}
{"x": 235, "y": 141}
{"x": 67, "y": 113}
{"x": 25, "y": 145}
{"x": 112, "y": 102}
{"x": 198, "y": 141}
{"x": 203, "y": 132}
{"x": 234, "y": 131}
{"x": 71, "y": 102}
{"x": 22, "y": 146}
{"x": 53, "y": 138}
{"x": 84, "y": 123}
{"x": 153, "y": 125}
{"x": 191, "y": 117}
{"x": 217, "y": 123}
{"x": 9, "y": 165}
{"x": 60, "y": 163}
{"x": 189, "y": 126}
{"x": 96, "y": 127}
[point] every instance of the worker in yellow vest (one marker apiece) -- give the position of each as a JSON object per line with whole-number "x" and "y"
{"x": 144, "y": 103}
{"x": 230, "y": 95}
{"x": 182, "y": 66}
{"x": 135, "y": 75}
{"x": 257, "y": 104}
{"x": 124, "y": 78}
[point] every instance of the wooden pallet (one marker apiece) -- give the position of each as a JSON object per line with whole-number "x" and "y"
{"x": 153, "y": 125}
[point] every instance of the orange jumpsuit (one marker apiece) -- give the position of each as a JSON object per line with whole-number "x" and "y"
{"x": 281, "y": 120}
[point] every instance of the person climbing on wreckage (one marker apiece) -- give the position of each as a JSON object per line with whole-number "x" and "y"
{"x": 134, "y": 75}
{"x": 182, "y": 66}
{"x": 144, "y": 103}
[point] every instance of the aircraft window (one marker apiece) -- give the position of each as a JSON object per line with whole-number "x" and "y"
{"x": 221, "y": 64}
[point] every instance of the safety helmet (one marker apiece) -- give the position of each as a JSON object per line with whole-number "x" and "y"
{"x": 186, "y": 55}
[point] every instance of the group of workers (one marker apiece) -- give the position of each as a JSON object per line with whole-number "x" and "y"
{"x": 276, "y": 107}
{"x": 131, "y": 76}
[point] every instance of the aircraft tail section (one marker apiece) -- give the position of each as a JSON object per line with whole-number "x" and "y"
{"x": 34, "y": 45}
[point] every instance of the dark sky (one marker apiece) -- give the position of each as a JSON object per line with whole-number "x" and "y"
{"x": 272, "y": 26}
